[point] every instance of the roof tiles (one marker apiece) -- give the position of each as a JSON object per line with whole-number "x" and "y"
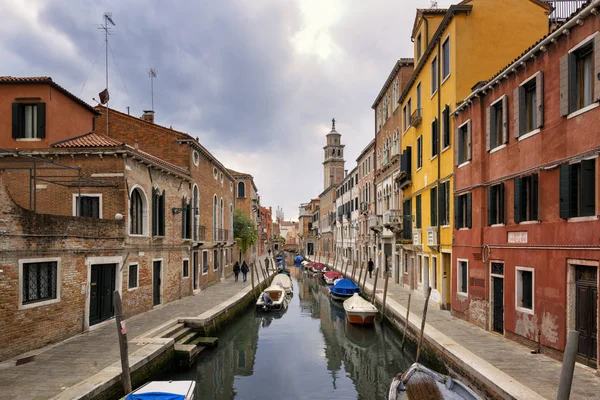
{"x": 91, "y": 139}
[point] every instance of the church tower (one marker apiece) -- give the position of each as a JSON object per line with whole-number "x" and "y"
{"x": 333, "y": 164}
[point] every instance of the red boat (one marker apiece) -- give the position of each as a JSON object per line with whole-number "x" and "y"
{"x": 318, "y": 267}
{"x": 331, "y": 276}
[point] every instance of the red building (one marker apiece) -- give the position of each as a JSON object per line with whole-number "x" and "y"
{"x": 265, "y": 233}
{"x": 526, "y": 241}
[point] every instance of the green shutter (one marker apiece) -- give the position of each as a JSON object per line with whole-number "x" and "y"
{"x": 518, "y": 199}
{"x": 516, "y": 112}
{"x": 501, "y": 197}
{"x": 564, "y": 85}
{"x": 442, "y": 204}
{"x": 418, "y": 205}
{"x": 433, "y": 206}
{"x": 564, "y": 191}
{"x": 488, "y": 128}
{"x": 596, "y": 62}
{"x": 457, "y": 146}
{"x": 469, "y": 207}
{"x": 539, "y": 98}
{"x": 492, "y": 205}
{"x": 588, "y": 188}
{"x": 458, "y": 212}
{"x": 534, "y": 198}
{"x": 504, "y": 120}
{"x": 183, "y": 218}
{"x": 41, "y": 120}
{"x": 162, "y": 215}
{"x": 16, "y": 121}
{"x": 469, "y": 154}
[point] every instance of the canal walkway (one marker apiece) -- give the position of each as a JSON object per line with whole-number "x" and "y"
{"x": 500, "y": 361}
{"x": 70, "y": 369}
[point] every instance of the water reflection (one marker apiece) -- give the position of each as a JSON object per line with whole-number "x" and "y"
{"x": 310, "y": 351}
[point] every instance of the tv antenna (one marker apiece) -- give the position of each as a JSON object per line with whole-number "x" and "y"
{"x": 434, "y": 4}
{"x": 152, "y": 73}
{"x": 104, "y": 96}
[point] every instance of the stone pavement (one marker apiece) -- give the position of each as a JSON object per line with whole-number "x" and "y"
{"x": 65, "y": 364}
{"x": 537, "y": 372}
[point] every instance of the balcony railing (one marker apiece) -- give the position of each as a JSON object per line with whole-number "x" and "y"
{"x": 563, "y": 9}
{"x": 222, "y": 235}
{"x": 416, "y": 117}
{"x": 200, "y": 233}
{"x": 364, "y": 207}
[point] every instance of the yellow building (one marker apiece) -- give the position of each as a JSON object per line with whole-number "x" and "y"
{"x": 454, "y": 49}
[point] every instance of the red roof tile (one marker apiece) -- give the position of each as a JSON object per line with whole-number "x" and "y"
{"x": 91, "y": 139}
{"x": 158, "y": 160}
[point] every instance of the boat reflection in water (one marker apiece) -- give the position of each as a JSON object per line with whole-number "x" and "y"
{"x": 309, "y": 351}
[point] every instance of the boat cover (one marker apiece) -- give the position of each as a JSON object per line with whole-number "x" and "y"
{"x": 155, "y": 396}
{"x": 332, "y": 274}
{"x": 298, "y": 259}
{"x": 345, "y": 286}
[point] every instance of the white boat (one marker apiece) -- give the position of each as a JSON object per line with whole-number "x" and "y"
{"x": 359, "y": 311}
{"x": 278, "y": 298}
{"x": 180, "y": 390}
{"x": 421, "y": 382}
{"x": 285, "y": 282}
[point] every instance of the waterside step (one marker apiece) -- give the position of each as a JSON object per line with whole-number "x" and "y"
{"x": 205, "y": 341}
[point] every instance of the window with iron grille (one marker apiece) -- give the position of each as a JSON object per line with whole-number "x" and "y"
{"x": 39, "y": 281}
{"x": 88, "y": 206}
{"x": 186, "y": 268}
{"x": 133, "y": 276}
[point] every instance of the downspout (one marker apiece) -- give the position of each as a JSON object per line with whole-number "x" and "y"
{"x": 439, "y": 150}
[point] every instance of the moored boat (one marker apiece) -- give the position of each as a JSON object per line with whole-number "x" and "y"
{"x": 272, "y": 298}
{"x": 359, "y": 311}
{"x": 420, "y": 382}
{"x": 283, "y": 280}
{"x": 167, "y": 390}
{"x": 330, "y": 276}
{"x": 344, "y": 289}
{"x": 318, "y": 267}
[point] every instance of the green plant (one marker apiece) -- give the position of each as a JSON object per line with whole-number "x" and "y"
{"x": 244, "y": 230}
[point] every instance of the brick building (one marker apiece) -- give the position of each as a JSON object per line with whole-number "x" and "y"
{"x": 248, "y": 201}
{"x": 527, "y": 194}
{"x": 265, "y": 231}
{"x": 346, "y": 226}
{"x": 366, "y": 238}
{"x": 212, "y": 198}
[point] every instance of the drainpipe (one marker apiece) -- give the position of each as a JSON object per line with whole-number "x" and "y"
{"x": 439, "y": 158}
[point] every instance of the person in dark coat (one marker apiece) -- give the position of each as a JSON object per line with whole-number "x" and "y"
{"x": 370, "y": 267}
{"x": 236, "y": 270}
{"x": 244, "y": 270}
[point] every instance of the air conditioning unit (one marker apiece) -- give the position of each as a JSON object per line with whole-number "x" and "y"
{"x": 432, "y": 236}
{"x": 417, "y": 237}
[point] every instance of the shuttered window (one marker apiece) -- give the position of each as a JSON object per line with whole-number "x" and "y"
{"x": 136, "y": 213}
{"x": 496, "y": 204}
{"x": 435, "y": 138}
{"x": 88, "y": 206}
{"x": 419, "y": 152}
{"x": 462, "y": 211}
{"x": 446, "y": 127}
{"x": 158, "y": 213}
{"x": 407, "y": 220}
{"x": 463, "y": 277}
{"x": 578, "y": 69}
{"x": 497, "y": 124}
{"x": 434, "y": 75}
{"x": 578, "y": 189}
{"x": 418, "y": 211}
{"x": 186, "y": 268}
{"x": 446, "y": 58}
{"x": 526, "y": 198}
{"x": 524, "y": 289}
{"x": 528, "y": 108}
{"x": 433, "y": 206}
{"x": 463, "y": 143}
{"x": 444, "y": 203}
{"x": 186, "y": 219}
{"x": 584, "y": 72}
{"x": 29, "y": 120}
{"x": 205, "y": 262}
{"x": 215, "y": 260}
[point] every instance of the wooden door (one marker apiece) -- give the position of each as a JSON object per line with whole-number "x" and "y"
{"x": 498, "y": 288}
{"x": 102, "y": 286}
{"x": 586, "y": 315}
{"x": 156, "y": 281}
{"x": 195, "y": 268}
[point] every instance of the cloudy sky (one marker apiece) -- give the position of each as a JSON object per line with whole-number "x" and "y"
{"x": 257, "y": 81}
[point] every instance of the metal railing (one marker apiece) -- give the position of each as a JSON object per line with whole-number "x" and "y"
{"x": 223, "y": 235}
{"x": 563, "y": 9}
{"x": 416, "y": 117}
{"x": 200, "y": 233}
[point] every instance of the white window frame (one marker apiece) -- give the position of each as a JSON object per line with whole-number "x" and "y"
{"x": 195, "y": 158}
{"x": 201, "y": 262}
{"x": 519, "y": 290}
{"x": 58, "y": 282}
{"x": 137, "y": 278}
{"x": 492, "y": 106}
{"x": 145, "y": 219}
{"x": 433, "y": 92}
{"x": 433, "y": 272}
{"x": 535, "y": 130}
{"x": 76, "y": 195}
{"x": 189, "y": 268}
{"x": 420, "y": 137}
{"x": 459, "y": 269}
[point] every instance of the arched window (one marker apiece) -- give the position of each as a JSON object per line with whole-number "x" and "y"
{"x": 241, "y": 190}
{"x": 196, "y": 211}
{"x": 231, "y": 220}
{"x": 158, "y": 212}
{"x": 215, "y": 218}
{"x": 339, "y": 153}
{"x": 137, "y": 211}
{"x": 222, "y": 220}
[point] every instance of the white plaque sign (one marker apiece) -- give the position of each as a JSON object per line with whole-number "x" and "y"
{"x": 517, "y": 237}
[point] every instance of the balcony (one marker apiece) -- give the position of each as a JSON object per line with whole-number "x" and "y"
{"x": 404, "y": 179}
{"x": 563, "y": 9}
{"x": 416, "y": 117}
{"x": 200, "y": 233}
{"x": 222, "y": 235}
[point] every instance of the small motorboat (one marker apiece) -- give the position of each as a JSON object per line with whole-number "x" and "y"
{"x": 318, "y": 267}
{"x": 277, "y": 300}
{"x": 344, "y": 289}
{"x": 359, "y": 311}
{"x": 419, "y": 382}
{"x": 167, "y": 390}
{"x": 330, "y": 277}
{"x": 283, "y": 280}
{"x": 298, "y": 259}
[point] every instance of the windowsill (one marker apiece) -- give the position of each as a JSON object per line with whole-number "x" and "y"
{"x": 524, "y": 310}
{"x": 433, "y": 158}
{"x": 204, "y": 273}
{"x": 529, "y": 222}
{"x": 464, "y": 164}
{"x": 185, "y": 277}
{"x": 445, "y": 79}
{"x": 137, "y": 235}
{"x": 28, "y": 139}
{"x": 132, "y": 289}
{"x": 582, "y": 219}
{"x": 496, "y": 225}
{"x": 463, "y": 229}
{"x": 445, "y": 148}
{"x": 406, "y": 130}
{"x": 445, "y": 226}
{"x": 529, "y": 134}
{"x": 418, "y": 169}
{"x": 495, "y": 149}
{"x": 582, "y": 110}
{"x": 38, "y": 304}
{"x": 433, "y": 94}
{"x": 462, "y": 294}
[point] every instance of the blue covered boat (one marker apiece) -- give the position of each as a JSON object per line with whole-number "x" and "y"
{"x": 344, "y": 289}
{"x": 164, "y": 390}
{"x": 298, "y": 261}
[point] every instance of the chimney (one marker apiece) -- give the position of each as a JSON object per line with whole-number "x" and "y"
{"x": 148, "y": 116}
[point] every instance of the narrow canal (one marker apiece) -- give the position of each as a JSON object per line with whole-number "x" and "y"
{"x": 308, "y": 352}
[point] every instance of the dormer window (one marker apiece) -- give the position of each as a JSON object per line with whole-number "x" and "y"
{"x": 29, "y": 120}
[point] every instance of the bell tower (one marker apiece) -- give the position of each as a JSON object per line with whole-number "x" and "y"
{"x": 333, "y": 164}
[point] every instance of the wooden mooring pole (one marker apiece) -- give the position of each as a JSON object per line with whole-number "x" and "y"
{"x": 353, "y": 270}
{"x": 423, "y": 323}
{"x": 123, "y": 346}
{"x": 375, "y": 286}
{"x": 360, "y": 273}
{"x": 385, "y": 287}
{"x": 364, "y": 281}
{"x": 252, "y": 272}
{"x": 406, "y": 322}
{"x": 568, "y": 365}
{"x": 262, "y": 270}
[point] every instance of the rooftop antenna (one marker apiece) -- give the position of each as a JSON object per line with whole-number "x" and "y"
{"x": 434, "y": 4}
{"x": 152, "y": 73}
{"x": 104, "y": 96}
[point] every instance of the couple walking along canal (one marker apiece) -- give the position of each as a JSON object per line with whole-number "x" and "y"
{"x": 243, "y": 269}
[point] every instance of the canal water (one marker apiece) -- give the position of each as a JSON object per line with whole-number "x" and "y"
{"x": 307, "y": 352}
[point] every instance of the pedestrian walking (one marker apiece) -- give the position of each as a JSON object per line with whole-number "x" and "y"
{"x": 370, "y": 268}
{"x": 244, "y": 271}
{"x": 236, "y": 270}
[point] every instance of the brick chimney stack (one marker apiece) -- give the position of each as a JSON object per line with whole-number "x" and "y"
{"x": 148, "y": 116}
